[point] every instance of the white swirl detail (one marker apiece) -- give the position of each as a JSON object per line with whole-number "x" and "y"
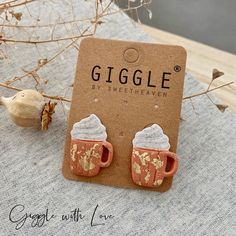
{"x": 151, "y": 137}
{"x": 89, "y": 128}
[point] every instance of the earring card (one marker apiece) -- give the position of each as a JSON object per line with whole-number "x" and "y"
{"x": 129, "y": 86}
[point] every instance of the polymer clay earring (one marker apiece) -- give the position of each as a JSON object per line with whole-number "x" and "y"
{"x": 151, "y": 159}
{"x": 89, "y": 149}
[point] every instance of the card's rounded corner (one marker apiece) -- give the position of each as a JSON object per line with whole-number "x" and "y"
{"x": 182, "y": 49}
{"x": 166, "y": 186}
{"x": 64, "y": 170}
{"x": 87, "y": 40}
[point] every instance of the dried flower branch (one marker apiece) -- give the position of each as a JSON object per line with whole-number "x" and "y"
{"x": 215, "y": 75}
{"x": 14, "y": 31}
{"x": 59, "y": 98}
{"x": 14, "y": 3}
{"x": 44, "y": 41}
{"x": 13, "y": 20}
{"x": 52, "y": 25}
{"x": 43, "y": 62}
{"x": 207, "y": 91}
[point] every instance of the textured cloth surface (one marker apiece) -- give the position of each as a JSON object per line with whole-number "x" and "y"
{"x": 201, "y": 201}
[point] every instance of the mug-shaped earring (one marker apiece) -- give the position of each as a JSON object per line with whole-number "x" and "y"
{"x": 89, "y": 149}
{"x": 151, "y": 156}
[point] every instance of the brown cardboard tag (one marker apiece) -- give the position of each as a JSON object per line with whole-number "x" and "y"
{"x": 128, "y": 85}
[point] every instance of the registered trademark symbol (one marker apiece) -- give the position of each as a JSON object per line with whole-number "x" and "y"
{"x": 177, "y": 68}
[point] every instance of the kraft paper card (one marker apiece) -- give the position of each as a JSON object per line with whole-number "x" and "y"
{"x": 129, "y": 86}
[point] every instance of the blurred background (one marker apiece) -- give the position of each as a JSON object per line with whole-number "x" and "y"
{"x": 212, "y": 22}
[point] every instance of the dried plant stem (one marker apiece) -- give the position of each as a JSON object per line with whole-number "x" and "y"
{"x": 43, "y": 41}
{"x": 91, "y": 19}
{"x": 129, "y": 8}
{"x": 46, "y": 25}
{"x": 101, "y": 9}
{"x": 48, "y": 61}
{"x": 59, "y": 98}
{"x": 13, "y": 3}
{"x": 8, "y": 3}
{"x": 208, "y": 90}
{"x": 10, "y": 87}
{"x": 96, "y": 15}
{"x": 104, "y": 12}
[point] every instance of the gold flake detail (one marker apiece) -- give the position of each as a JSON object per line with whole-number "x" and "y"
{"x": 136, "y": 168}
{"x": 143, "y": 157}
{"x": 73, "y": 152}
{"x": 147, "y": 177}
{"x": 86, "y": 164}
{"x": 157, "y": 163}
{"x": 158, "y": 182}
{"x": 86, "y": 159}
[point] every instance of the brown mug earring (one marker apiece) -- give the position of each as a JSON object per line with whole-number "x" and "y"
{"x": 151, "y": 156}
{"x": 89, "y": 149}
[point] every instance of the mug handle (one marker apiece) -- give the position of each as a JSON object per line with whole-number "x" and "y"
{"x": 174, "y": 166}
{"x": 108, "y": 146}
